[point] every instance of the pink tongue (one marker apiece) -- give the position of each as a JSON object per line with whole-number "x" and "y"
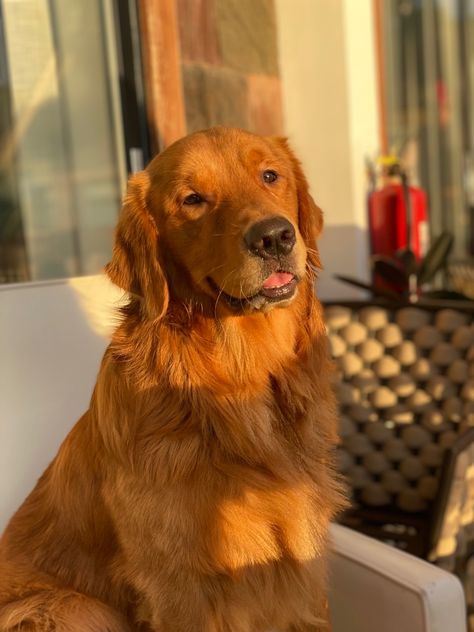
{"x": 277, "y": 279}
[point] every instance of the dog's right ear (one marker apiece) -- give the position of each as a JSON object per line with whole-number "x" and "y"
{"x": 135, "y": 264}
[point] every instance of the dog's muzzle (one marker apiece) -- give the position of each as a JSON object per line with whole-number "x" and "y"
{"x": 280, "y": 286}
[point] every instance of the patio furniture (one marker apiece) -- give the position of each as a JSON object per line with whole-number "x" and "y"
{"x": 406, "y": 392}
{"x": 45, "y": 326}
{"x": 375, "y": 588}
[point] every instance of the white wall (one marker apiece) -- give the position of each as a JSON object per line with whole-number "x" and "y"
{"x": 327, "y": 63}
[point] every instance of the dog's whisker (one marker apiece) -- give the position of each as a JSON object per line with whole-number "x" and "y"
{"x": 209, "y": 272}
{"x": 229, "y": 233}
{"x": 218, "y": 320}
{"x": 221, "y": 290}
{"x": 312, "y": 278}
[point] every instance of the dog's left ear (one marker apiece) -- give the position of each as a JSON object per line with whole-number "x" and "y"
{"x": 310, "y": 216}
{"x": 135, "y": 265}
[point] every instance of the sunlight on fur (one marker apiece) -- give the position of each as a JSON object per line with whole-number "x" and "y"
{"x": 100, "y": 301}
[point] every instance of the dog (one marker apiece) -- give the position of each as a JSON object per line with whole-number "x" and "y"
{"x": 195, "y": 494}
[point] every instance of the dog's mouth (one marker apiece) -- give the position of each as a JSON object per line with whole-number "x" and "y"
{"x": 278, "y": 287}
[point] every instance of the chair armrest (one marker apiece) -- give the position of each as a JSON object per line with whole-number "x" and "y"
{"x": 375, "y": 587}
{"x": 452, "y": 533}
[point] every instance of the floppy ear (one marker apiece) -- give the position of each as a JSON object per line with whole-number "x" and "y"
{"x": 310, "y": 216}
{"x": 135, "y": 265}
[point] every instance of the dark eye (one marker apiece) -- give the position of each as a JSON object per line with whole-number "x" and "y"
{"x": 192, "y": 199}
{"x": 269, "y": 176}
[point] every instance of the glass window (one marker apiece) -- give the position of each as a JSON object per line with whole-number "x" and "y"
{"x": 429, "y": 62}
{"x": 62, "y": 156}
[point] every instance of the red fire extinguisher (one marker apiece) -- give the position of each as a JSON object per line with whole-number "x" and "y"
{"x": 398, "y": 215}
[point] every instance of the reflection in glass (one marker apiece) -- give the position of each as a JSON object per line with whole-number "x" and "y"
{"x": 60, "y": 140}
{"x": 429, "y": 60}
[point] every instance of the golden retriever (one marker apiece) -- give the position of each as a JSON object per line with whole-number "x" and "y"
{"x": 195, "y": 493}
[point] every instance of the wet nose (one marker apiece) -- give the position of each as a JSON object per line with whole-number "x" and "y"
{"x": 271, "y": 237}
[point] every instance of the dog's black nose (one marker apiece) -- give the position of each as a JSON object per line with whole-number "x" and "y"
{"x": 271, "y": 238}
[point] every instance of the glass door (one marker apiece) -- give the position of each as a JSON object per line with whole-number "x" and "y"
{"x": 64, "y": 148}
{"x": 429, "y": 61}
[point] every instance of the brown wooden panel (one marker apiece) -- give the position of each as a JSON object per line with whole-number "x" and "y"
{"x": 162, "y": 69}
{"x": 381, "y": 75}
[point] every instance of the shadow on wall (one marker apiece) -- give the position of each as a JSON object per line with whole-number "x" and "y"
{"x": 344, "y": 250}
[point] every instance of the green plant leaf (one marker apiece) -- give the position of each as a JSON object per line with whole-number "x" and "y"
{"x": 436, "y": 257}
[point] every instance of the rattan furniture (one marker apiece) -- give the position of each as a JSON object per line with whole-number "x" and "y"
{"x": 405, "y": 384}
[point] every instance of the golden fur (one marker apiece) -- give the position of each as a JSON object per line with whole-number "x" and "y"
{"x": 195, "y": 493}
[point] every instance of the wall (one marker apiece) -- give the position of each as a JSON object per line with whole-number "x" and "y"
{"x": 230, "y": 64}
{"x": 210, "y": 62}
{"x": 327, "y": 65}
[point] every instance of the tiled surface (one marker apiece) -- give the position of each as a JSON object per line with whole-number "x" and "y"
{"x": 214, "y": 96}
{"x": 230, "y": 64}
{"x": 197, "y": 31}
{"x": 264, "y": 102}
{"x": 246, "y": 31}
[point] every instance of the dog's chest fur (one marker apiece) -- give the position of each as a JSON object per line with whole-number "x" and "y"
{"x": 232, "y": 481}
{"x": 231, "y": 470}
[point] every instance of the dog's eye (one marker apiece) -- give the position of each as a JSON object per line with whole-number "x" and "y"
{"x": 270, "y": 176}
{"x": 193, "y": 199}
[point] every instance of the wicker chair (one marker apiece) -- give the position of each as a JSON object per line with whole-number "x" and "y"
{"x": 406, "y": 393}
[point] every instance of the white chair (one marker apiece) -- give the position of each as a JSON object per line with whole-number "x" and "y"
{"x": 52, "y": 338}
{"x": 376, "y": 588}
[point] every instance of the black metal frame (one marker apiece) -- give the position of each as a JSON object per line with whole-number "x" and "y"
{"x": 448, "y": 470}
{"x": 131, "y": 80}
{"x": 426, "y": 304}
{"x": 11, "y": 221}
{"x": 134, "y": 123}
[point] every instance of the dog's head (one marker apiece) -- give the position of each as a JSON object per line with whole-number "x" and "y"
{"x": 221, "y": 216}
